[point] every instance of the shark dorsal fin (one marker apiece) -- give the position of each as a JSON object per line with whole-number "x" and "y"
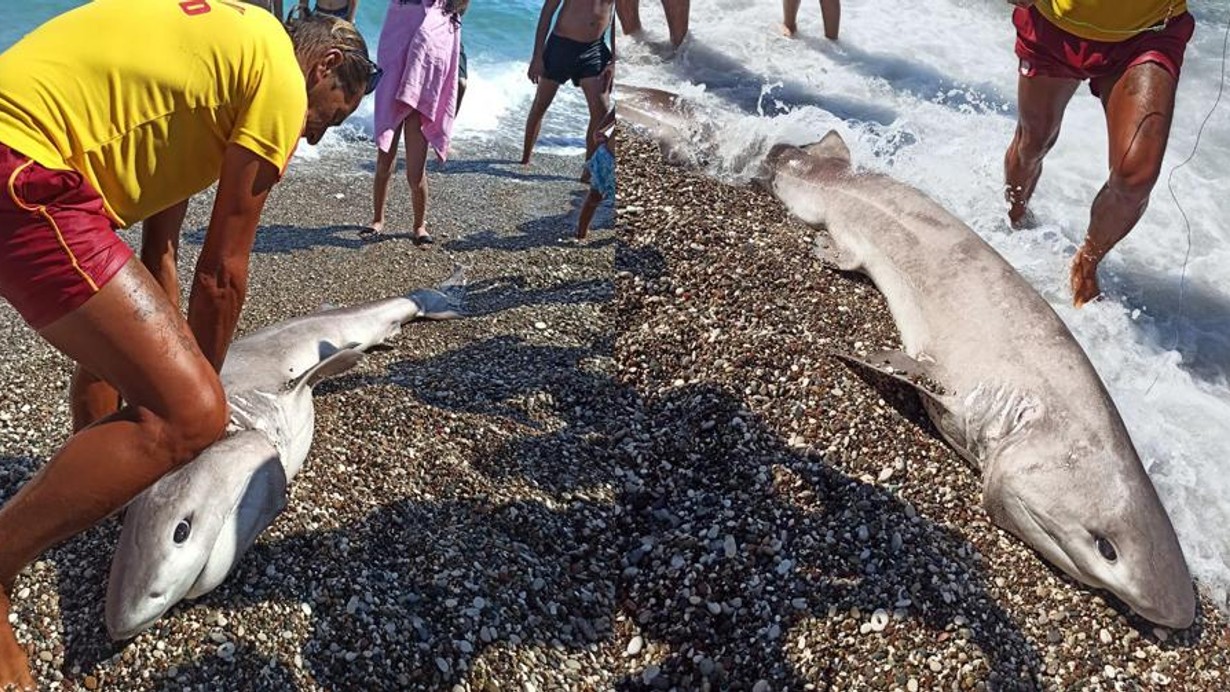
{"x": 831, "y": 147}
{"x": 334, "y": 364}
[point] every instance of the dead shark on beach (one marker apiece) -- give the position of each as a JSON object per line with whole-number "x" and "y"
{"x": 1016, "y": 394}
{"x": 183, "y": 535}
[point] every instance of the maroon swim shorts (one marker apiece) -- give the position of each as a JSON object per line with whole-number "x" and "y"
{"x": 58, "y": 245}
{"x": 1046, "y": 50}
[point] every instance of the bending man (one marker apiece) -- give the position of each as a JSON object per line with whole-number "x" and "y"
{"x": 94, "y": 136}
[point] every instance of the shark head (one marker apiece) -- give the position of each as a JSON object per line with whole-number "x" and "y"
{"x": 826, "y": 158}
{"x": 181, "y": 535}
{"x": 1092, "y": 511}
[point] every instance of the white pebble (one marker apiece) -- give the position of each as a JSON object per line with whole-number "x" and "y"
{"x": 540, "y": 325}
{"x": 879, "y": 620}
{"x": 761, "y": 686}
{"x": 635, "y": 645}
{"x": 1104, "y": 636}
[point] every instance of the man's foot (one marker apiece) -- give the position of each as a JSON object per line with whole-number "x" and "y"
{"x": 1084, "y": 278}
{"x": 373, "y": 229}
{"x": 788, "y": 30}
{"x": 525, "y": 159}
{"x": 14, "y": 665}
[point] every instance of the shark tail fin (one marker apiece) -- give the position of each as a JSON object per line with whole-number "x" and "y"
{"x": 831, "y": 147}
{"x": 444, "y": 302}
{"x": 335, "y": 364}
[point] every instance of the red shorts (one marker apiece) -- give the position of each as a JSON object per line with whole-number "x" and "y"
{"x": 58, "y": 245}
{"x": 1046, "y": 50}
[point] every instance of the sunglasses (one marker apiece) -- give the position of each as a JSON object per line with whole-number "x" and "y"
{"x": 374, "y": 72}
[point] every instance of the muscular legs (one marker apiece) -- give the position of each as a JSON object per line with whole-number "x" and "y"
{"x": 131, "y": 336}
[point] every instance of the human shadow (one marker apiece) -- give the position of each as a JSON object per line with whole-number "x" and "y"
{"x": 728, "y": 79}
{"x": 1193, "y": 319}
{"x": 286, "y": 239}
{"x": 920, "y": 80}
{"x": 543, "y": 231}
{"x": 499, "y": 168}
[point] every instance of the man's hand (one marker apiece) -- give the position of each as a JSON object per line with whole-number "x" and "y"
{"x": 221, "y": 280}
{"x": 536, "y": 69}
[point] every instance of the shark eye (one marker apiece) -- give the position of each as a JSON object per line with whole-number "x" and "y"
{"x": 1106, "y": 548}
{"x": 182, "y": 529}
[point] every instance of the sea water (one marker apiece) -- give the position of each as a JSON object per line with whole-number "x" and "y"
{"x": 925, "y": 91}
{"x": 499, "y": 40}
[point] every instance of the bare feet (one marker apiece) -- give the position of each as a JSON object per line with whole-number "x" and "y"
{"x": 1018, "y": 214}
{"x": 1084, "y": 278}
{"x": 14, "y": 665}
{"x": 525, "y": 159}
{"x": 788, "y": 30}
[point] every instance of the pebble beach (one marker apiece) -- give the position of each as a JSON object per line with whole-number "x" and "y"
{"x": 632, "y": 465}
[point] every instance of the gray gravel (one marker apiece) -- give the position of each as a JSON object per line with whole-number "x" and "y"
{"x": 632, "y": 467}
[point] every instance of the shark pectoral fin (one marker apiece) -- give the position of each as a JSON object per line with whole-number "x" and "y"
{"x": 902, "y": 368}
{"x": 827, "y": 251}
{"x": 335, "y": 364}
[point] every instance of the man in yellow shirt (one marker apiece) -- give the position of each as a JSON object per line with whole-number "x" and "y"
{"x": 1131, "y": 52}
{"x": 118, "y": 112}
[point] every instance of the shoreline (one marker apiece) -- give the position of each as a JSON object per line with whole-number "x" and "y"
{"x": 882, "y": 515}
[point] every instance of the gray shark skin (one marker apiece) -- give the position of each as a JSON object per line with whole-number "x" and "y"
{"x": 664, "y": 117}
{"x": 183, "y": 535}
{"x": 1017, "y": 395}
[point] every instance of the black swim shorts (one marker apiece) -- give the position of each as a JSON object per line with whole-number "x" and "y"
{"x": 564, "y": 59}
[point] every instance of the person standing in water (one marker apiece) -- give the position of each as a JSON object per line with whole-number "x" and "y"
{"x": 71, "y": 178}
{"x": 1130, "y": 51}
{"x": 574, "y": 51}
{"x": 676, "y": 11}
{"x": 829, "y": 9}
{"x": 421, "y": 43}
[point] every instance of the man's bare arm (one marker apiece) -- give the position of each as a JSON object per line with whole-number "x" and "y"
{"x": 540, "y": 38}
{"x": 221, "y": 280}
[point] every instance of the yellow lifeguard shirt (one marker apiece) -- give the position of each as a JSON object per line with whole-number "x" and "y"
{"x": 142, "y": 96}
{"x": 1109, "y": 20}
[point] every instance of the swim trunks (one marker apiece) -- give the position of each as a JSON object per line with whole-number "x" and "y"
{"x": 58, "y": 245}
{"x": 564, "y": 59}
{"x": 1045, "y": 50}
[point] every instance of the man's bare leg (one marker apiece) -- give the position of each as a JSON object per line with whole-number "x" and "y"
{"x": 831, "y": 11}
{"x": 790, "y": 17}
{"x": 629, "y": 13}
{"x": 130, "y": 336}
{"x": 386, "y": 161}
{"x": 533, "y": 122}
{"x": 677, "y": 12}
{"x": 598, "y": 99}
{"x": 586, "y": 215}
{"x": 1041, "y": 102}
{"x": 1139, "y": 108}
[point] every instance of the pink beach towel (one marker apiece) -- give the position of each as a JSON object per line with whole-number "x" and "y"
{"x": 419, "y": 47}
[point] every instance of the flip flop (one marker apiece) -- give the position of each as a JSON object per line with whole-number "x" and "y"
{"x": 423, "y": 239}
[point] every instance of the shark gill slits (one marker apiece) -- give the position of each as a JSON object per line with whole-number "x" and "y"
{"x": 1106, "y": 549}
{"x": 182, "y": 530}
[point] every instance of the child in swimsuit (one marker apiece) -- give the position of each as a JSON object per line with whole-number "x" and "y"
{"x": 576, "y": 52}
{"x": 601, "y": 167}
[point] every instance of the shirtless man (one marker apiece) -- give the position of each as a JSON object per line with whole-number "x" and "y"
{"x": 575, "y": 51}
{"x": 1131, "y": 52}
{"x": 71, "y": 177}
{"x": 677, "y": 12}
